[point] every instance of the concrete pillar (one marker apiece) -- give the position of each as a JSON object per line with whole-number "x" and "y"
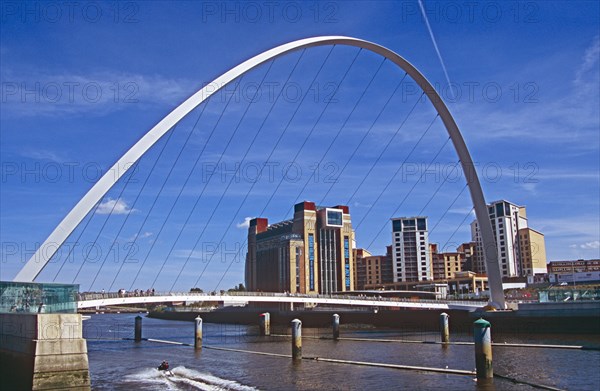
{"x": 198, "y": 333}
{"x": 482, "y": 336}
{"x": 336, "y": 326}
{"x": 138, "y": 329}
{"x": 265, "y": 324}
{"x": 43, "y": 352}
{"x": 296, "y": 339}
{"x": 444, "y": 327}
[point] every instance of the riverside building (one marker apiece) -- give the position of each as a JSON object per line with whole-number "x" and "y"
{"x": 410, "y": 249}
{"x": 445, "y": 265}
{"x": 521, "y": 250}
{"x": 372, "y": 269}
{"x": 311, "y": 253}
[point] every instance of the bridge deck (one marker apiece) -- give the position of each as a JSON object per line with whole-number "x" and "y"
{"x": 107, "y": 299}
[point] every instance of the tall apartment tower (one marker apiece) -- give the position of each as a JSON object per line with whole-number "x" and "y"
{"x": 410, "y": 249}
{"x": 311, "y": 253}
{"x": 507, "y": 219}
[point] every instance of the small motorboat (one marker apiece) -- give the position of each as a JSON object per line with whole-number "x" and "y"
{"x": 164, "y": 367}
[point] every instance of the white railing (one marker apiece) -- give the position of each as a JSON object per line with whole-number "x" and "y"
{"x": 112, "y": 298}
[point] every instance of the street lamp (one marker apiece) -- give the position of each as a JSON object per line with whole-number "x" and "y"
{"x": 573, "y": 274}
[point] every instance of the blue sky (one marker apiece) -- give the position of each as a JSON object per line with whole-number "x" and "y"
{"x": 82, "y": 83}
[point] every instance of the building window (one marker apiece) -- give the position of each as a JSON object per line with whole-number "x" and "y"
{"x": 334, "y": 218}
{"x": 347, "y": 262}
{"x": 311, "y": 262}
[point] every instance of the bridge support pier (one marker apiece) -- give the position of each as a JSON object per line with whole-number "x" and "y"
{"x": 336, "y": 327}
{"x": 482, "y": 336}
{"x": 43, "y": 352}
{"x": 137, "y": 336}
{"x": 198, "y": 333}
{"x": 265, "y": 324}
{"x": 296, "y": 339}
{"x": 444, "y": 328}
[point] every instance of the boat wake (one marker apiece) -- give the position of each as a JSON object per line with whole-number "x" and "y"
{"x": 182, "y": 378}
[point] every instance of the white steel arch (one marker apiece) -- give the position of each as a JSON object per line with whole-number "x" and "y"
{"x": 37, "y": 262}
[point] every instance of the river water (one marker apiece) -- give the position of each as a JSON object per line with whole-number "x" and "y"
{"x": 117, "y": 364}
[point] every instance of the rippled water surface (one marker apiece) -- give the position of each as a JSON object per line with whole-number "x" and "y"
{"x": 117, "y": 364}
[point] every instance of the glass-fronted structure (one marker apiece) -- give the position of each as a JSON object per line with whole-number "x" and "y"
{"x": 29, "y": 297}
{"x": 563, "y": 295}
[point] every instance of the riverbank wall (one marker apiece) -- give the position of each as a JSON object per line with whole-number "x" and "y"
{"x": 530, "y": 319}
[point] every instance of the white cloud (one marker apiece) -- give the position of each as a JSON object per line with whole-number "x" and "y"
{"x": 582, "y": 226}
{"x": 570, "y": 117}
{"x": 245, "y": 224}
{"x": 462, "y": 211}
{"x": 529, "y": 187}
{"x": 115, "y": 207}
{"x": 573, "y": 174}
{"x": 590, "y": 245}
{"x": 591, "y": 58}
{"x": 194, "y": 254}
{"x": 42, "y": 154}
{"x": 98, "y": 93}
{"x": 141, "y": 236}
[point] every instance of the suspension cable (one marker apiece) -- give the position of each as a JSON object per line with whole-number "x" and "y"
{"x": 338, "y": 133}
{"x": 171, "y": 170}
{"x": 85, "y": 258}
{"x": 194, "y": 167}
{"x": 237, "y": 170}
{"x": 410, "y": 191}
{"x": 160, "y": 154}
{"x": 364, "y": 137}
{"x": 395, "y": 174}
{"x": 295, "y": 157}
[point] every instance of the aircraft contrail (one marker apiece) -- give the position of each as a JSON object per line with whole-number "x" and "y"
{"x": 436, "y": 47}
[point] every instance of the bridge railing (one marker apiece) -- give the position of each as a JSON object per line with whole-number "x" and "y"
{"x": 85, "y": 296}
